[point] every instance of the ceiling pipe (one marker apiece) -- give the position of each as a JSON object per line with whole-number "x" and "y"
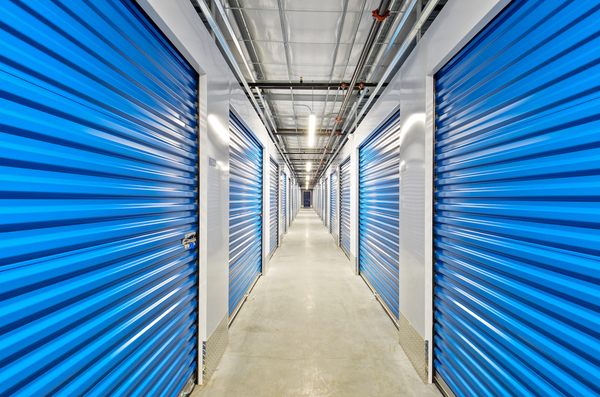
{"x": 338, "y": 38}
{"x": 375, "y": 59}
{"x": 301, "y": 133}
{"x": 391, "y": 67}
{"x": 340, "y": 137}
{"x": 406, "y": 10}
{"x": 254, "y": 58}
{"x": 400, "y": 26}
{"x": 240, "y": 20}
{"x": 379, "y": 16}
{"x": 268, "y": 122}
{"x": 286, "y": 46}
{"x": 315, "y": 85}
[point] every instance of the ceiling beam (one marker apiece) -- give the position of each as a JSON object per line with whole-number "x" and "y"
{"x": 294, "y": 132}
{"x": 284, "y": 130}
{"x": 315, "y": 85}
{"x": 299, "y": 97}
{"x": 304, "y": 156}
{"x": 303, "y": 97}
{"x": 304, "y": 151}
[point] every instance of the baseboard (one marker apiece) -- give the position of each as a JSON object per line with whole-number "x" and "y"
{"x": 214, "y": 348}
{"x": 414, "y": 346}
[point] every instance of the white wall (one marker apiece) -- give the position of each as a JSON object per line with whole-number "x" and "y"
{"x": 219, "y": 90}
{"x": 411, "y": 90}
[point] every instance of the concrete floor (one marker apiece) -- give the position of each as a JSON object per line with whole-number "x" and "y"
{"x": 311, "y": 327}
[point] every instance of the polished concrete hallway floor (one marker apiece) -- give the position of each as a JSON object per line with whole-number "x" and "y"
{"x": 311, "y": 327}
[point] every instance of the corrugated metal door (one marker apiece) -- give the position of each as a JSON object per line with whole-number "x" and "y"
{"x": 379, "y": 205}
{"x": 273, "y": 207}
{"x": 98, "y": 185}
{"x": 245, "y": 212}
{"x": 319, "y": 199}
{"x": 324, "y": 203}
{"x": 517, "y": 213}
{"x": 345, "y": 206}
{"x": 320, "y": 204}
{"x": 333, "y": 205}
{"x": 319, "y": 207}
{"x": 284, "y": 202}
{"x": 290, "y": 201}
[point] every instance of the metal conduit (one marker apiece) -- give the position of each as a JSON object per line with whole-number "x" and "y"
{"x": 391, "y": 67}
{"x": 373, "y": 33}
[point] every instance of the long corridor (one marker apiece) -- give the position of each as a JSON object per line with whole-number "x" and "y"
{"x": 311, "y": 327}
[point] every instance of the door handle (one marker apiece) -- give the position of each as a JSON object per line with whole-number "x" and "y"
{"x": 189, "y": 241}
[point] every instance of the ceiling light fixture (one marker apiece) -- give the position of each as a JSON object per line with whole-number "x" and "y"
{"x": 308, "y": 166}
{"x": 312, "y": 125}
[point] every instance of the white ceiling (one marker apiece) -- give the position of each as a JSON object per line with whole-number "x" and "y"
{"x": 324, "y": 40}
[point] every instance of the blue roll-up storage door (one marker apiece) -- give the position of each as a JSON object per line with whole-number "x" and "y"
{"x": 273, "y": 206}
{"x": 245, "y": 211}
{"x": 321, "y": 201}
{"x": 284, "y": 202}
{"x": 324, "y": 201}
{"x": 292, "y": 200}
{"x": 517, "y": 212}
{"x": 333, "y": 205}
{"x": 319, "y": 197}
{"x": 379, "y": 205}
{"x": 98, "y": 187}
{"x": 326, "y": 204}
{"x": 345, "y": 206}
